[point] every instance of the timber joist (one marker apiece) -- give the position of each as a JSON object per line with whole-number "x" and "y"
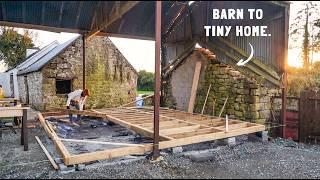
{"x": 177, "y": 128}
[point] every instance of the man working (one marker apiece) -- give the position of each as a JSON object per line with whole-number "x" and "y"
{"x": 1, "y": 92}
{"x": 77, "y": 99}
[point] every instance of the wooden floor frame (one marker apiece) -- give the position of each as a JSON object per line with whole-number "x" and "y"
{"x": 177, "y": 128}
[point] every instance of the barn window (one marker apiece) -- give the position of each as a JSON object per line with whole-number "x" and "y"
{"x": 63, "y": 86}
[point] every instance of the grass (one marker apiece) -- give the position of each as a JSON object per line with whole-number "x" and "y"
{"x": 144, "y": 92}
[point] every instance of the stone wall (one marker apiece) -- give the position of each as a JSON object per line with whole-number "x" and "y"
{"x": 248, "y": 99}
{"x": 66, "y": 66}
{"x": 34, "y": 81}
{"x": 111, "y": 80}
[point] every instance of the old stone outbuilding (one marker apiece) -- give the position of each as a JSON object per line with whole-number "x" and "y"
{"x": 56, "y": 70}
{"x": 248, "y": 98}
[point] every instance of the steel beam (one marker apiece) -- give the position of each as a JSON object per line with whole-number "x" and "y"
{"x": 156, "y": 152}
{"x": 83, "y": 61}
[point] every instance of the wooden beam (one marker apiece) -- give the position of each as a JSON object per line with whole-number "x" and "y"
{"x": 125, "y": 36}
{"x": 196, "y": 76}
{"x": 136, "y": 100}
{"x": 55, "y": 166}
{"x": 119, "y": 152}
{"x": 179, "y": 129}
{"x": 12, "y": 111}
{"x": 136, "y": 128}
{"x": 113, "y": 17}
{"x": 205, "y": 101}
{"x": 108, "y": 154}
{"x": 59, "y": 145}
{"x": 100, "y": 142}
{"x": 209, "y": 137}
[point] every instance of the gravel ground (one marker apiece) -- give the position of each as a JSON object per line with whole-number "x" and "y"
{"x": 275, "y": 159}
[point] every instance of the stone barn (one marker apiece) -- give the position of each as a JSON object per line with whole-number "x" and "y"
{"x": 248, "y": 97}
{"x": 56, "y": 70}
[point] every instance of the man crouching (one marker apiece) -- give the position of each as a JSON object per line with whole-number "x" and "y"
{"x": 77, "y": 100}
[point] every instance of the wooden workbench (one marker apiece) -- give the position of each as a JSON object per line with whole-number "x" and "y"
{"x": 18, "y": 112}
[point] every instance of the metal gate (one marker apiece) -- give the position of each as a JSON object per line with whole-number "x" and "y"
{"x": 309, "y": 117}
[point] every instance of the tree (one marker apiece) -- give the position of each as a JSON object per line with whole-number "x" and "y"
{"x": 145, "y": 81}
{"x": 304, "y": 28}
{"x": 13, "y": 46}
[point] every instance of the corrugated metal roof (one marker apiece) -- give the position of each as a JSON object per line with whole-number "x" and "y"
{"x": 36, "y": 56}
{"x": 37, "y": 61}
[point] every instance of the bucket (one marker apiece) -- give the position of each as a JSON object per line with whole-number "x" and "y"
{"x": 139, "y": 102}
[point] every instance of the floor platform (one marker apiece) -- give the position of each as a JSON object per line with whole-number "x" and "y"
{"x": 177, "y": 128}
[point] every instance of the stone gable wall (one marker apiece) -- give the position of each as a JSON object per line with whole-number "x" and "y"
{"x": 110, "y": 79}
{"x": 66, "y": 66}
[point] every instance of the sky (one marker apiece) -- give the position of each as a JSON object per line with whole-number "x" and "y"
{"x": 140, "y": 53}
{"x": 294, "y": 54}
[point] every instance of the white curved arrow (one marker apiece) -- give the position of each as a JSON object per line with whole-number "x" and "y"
{"x": 243, "y": 62}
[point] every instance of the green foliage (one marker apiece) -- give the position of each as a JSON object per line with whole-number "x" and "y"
{"x": 145, "y": 81}
{"x": 301, "y": 78}
{"x": 303, "y": 29}
{"x": 13, "y": 46}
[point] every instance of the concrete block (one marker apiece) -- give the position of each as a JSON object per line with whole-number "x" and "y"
{"x": 66, "y": 169}
{"x": 201, "y": 156}
{"x": 227, "y": 142}
{"x": 80, "y": 167}
{"x": 178, "y": 149}
{"x": 258, "y": 136}
{"x": 58, "y": 160}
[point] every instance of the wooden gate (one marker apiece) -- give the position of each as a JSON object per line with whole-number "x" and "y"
{"x": 309, "y": 115}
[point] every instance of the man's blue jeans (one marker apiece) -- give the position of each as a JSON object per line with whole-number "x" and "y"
{"x": 70, "y": 115}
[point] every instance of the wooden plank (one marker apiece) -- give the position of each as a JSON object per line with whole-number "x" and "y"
{"x": 205, "y": 102}
{"x": 59, "y": 145}
{"x": 11, "y": 113}
{"x": 195, "y": 132}
{"x": 234, "y": 126}
{"x": 60, "y": 113}
{"x": 133, "y": 127}
{"x": 170, "y": 118}
{"x": 194, "y": 88}
{"x": 100, "y": 142}
{"x": 161, "y": 124}
{"x": 179, "y": 129}
{"x": 209, "y": 137}
{"x": 108, "y": 154}
{"x": 137, "y": 100}
{"x": 55, "y": 166}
